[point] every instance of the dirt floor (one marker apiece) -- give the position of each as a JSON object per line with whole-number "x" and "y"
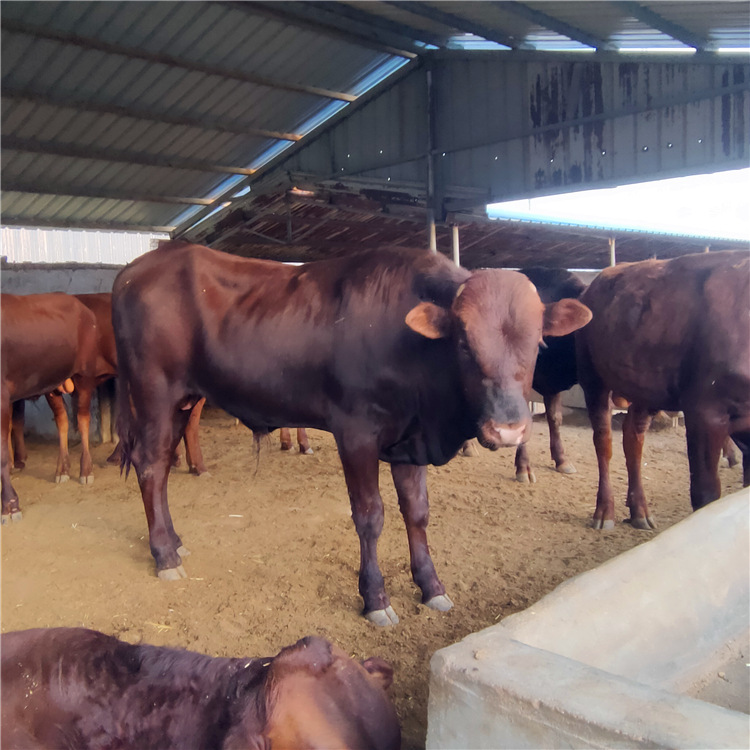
{"x": 275, "y": 555}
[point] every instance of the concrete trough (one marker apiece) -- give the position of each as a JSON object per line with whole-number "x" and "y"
{"x": 618, "y": 656}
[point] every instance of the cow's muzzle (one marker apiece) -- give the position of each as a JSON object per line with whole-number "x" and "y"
{"x": 494, "y": 435}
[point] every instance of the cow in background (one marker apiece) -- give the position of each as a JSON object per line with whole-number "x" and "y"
{"x": 555, "y": 369}
{"x": 47, "y": 339}
{"x": 400, "y": 354}
{"x": 78, "y": 688}
{"x": 669, "y": 335}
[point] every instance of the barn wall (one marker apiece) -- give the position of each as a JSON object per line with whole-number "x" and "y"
{"x": 524, "y": 125}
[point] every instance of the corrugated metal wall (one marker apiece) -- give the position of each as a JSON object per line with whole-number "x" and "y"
{"x": 523, "y": 126}
{"x": 31, "y": 245}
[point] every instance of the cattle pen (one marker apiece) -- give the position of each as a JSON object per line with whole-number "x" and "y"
{"x": 275, "y": 558}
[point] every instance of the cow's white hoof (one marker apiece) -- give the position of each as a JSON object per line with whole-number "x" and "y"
{"x": 60, "y": 478}
{"x": 605, "y": 525}
{"x": 183, "y": 551}
{"x": 442, "y": 603}
{"x": 383, "y": 617}
{"x": 7, "y": 518}
{"x": 566, "y": 468}
{"x": 172, "y": 574}
{"x": 645, "y": 524}
{"x": 308, "y": 452}
{"x": 87, "y": 480}
{"x": 522, "y": 477}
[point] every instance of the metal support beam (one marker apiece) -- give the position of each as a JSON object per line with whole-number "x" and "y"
{"x": 76, "y": 151}
{"x": 554, "y": 24}
{"x": 647, "y": 16}
{"x": 140, "y": 113}
{"x": 456, "y": 249}
{"x": 84, "y": 192}
{"x": 460, "y": 24}
{"x": 612, "y": 254}
{"x": 85, "y": 42}
{"x": 305, "y": 14}
{"x": 105, "y": 226}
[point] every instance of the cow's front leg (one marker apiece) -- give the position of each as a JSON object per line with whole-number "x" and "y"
{"x": 10, "y": 508}
{"x": 524, "y": 473}
{"x": 600, "y": 415}
{"x": 705, "y": 436}
{"x": 360, "y": 462}
{"x": 634, "y": 429}
{"x": 553, "y": 412}
{"x": 411, "y": 487}
{"x": 56, "y": 403}
{"x": 193, "y": 452}
{"x": 18, "y": 442}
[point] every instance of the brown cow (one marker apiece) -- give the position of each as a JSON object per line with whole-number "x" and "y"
{"x": 302, "y": 441}
{"x": 671, "y": 335}
{"x": 78, "y": 688}
{"x": 46, "y": 340}
{"x": 400, "y": 354}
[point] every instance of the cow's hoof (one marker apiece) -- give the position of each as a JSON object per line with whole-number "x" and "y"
{"x": 597, "y": 523}
{"x": 183, "y": 551}
{"x": 566, "y": 468}
{"x": 7, "y": 518}
{"x": 21, "y": 465}
{"x": 60, "y": 478}
{"x": 87, "y": 480}
{"x": 383, "y": 617}
{"x": 645, "y": 524}
{"x": 172, "y": 574}
{"x": 524, "y": 477}
{"x": 308, "y": 452}
{"x": 441, "y": 603}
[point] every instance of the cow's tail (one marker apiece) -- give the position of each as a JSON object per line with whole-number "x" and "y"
{"x": 125, "y": 422}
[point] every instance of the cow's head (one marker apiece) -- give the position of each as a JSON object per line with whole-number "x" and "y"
{"x": 496, "y": 323}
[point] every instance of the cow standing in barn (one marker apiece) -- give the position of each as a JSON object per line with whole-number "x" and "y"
{"x": 400, "y": 354}
{"x": 671, "y": 335}
{"x": 78, "y": 688}
{"x": 555, "y": 369}
{"x": 47, "y": 339}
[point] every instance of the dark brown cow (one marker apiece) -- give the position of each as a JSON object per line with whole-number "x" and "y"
{"x": 400, "y": 354}
{"x": 555, "y": 370}
{"x": 671, "y": 335}
{"x": 78, "y": 688}
{"x": 46, "y": 340}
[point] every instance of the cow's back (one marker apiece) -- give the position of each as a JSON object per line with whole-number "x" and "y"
{"x": 46, "y": 338}
{"x": 660, "y": 328}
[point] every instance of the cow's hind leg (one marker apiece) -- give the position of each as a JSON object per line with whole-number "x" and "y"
{"x": 553, "y": 412}
{"x": 303, "y": 442}
{"x": 360, "y": 462}
{"x": 193, "y": 452}
{"x": 634, "y": 429}
{"x": 600, "y": 415}
{"x": 159, "y": 430}
{"x": 411, "y": 487}
{"x": 18, "y": 442}
{"x": 56, "y": 403}
{"x": 10, "y": 508}
{"x": 85, "y": 391}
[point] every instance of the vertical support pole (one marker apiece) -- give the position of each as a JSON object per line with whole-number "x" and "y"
{"x": 707, "y": 248}
{"x": 612, "y": 256}
{"x": 456, "y": 251}
{"x": 431, "y": 207}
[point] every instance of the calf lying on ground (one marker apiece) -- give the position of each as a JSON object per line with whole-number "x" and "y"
{"x": 78, "y": 688}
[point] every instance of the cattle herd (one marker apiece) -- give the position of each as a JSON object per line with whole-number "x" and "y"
{"x": 402, "y": 356}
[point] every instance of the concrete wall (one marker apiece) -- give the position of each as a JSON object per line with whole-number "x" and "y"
{"x": 611, "y": 657}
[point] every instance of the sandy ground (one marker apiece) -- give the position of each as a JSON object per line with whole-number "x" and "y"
{"x": 275, "y": 555}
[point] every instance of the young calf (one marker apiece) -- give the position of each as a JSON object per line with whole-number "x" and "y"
{"x": 72, "y": 687}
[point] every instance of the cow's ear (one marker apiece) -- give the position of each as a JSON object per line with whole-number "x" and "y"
{"x": 429, "y": 320}
{"x": 565, "y": 316}
{"x": 380, "y": 669}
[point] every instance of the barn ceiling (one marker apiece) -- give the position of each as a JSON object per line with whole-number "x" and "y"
{"x": 206, "y": 118}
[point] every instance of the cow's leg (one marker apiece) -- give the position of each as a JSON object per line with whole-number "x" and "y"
{"x": 56, "y": 403}
{"x": 17, "y": 438}
{"x": 742, "y": 439}
{"x": 193, "y": 453}
{"x": 360, "y": 462}
{"x": 303, "y": 442}
{"x": 411, "y": 487}
{"x": 634, "y": 430}
{"x": 85, "y": 391}
{"x": 600, "y": 415}
{"x": 524, "y": 474}
{"x": 285, "y": 437}
{"x": 729, "y": 452}
{"x": 10, "y": 508}
{"x": 705, "y": 436}
{"x": 553, "y": 412}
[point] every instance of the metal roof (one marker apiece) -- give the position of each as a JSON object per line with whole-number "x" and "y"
{"x": 139, "y": 115}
